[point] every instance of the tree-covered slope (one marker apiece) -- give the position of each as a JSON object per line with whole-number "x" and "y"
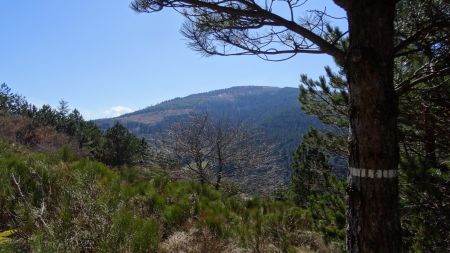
{"x": 276, "y": 111}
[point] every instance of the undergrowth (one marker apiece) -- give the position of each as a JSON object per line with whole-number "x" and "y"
{"x": 55, "y": 203}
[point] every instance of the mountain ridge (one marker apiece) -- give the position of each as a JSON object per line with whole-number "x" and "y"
{"x": 235, "y": 90}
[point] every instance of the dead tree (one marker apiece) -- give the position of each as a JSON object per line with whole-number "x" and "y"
{"x": 211, "y": 150}
{"x": 185, "y": 147}
{"x": 238, "y": 151}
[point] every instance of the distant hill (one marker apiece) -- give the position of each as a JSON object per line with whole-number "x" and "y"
{"x": 276, "y": 111}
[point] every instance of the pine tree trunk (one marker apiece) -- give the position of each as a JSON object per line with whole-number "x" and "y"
{"x": 373, "y": 215}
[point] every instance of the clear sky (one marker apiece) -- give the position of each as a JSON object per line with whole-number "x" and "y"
{"x": 105, "y": 59}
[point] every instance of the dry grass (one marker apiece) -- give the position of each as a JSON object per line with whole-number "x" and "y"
{"x": 198, "y": 241}
{"x": 203, "y": 241}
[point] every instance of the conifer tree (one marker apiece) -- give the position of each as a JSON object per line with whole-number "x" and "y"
{"x": 308, "y": 169}
{"x": 121, "y": 147}
{"x": 315, "y": 187}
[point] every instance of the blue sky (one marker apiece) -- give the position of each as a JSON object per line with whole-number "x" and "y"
{"x": 105, "y": 59}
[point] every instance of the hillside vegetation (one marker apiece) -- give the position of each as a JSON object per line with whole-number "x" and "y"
{"x": 55, "y": 203}
{"x": 66, "y": 186}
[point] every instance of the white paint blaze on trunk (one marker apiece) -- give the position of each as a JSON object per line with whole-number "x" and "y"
{"x": 368, "y": 173}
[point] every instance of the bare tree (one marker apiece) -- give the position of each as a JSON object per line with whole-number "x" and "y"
{"x": 211, "y": 150}
{"x": 186, "y": 145}
{"x": 240, "y": 152}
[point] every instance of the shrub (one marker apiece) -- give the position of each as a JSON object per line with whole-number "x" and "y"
{"x": 133, "y": 234}
{"x": 92, "y": 208}
{"x": 175, "y": 215}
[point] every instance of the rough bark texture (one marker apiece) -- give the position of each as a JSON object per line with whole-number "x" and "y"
{"x": 373, "y": 214}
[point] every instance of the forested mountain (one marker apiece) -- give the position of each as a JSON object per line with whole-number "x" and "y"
{"x": 276, "y": 111}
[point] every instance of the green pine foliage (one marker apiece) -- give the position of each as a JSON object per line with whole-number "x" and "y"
{"x": 425, "y": 204}
{"x": 121, "y": 147}
{"x": 308, "y": 169}
{"x": 315, "y": 188}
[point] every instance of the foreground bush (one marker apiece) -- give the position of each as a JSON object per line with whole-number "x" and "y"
{"x": 57, "y": 204}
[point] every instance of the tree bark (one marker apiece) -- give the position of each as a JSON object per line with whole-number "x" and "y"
{"x": 201, "y": 172}
{"x": 373, "y": 215}
{"x": 220, "y": 167}
{"x": 219, "y": 177}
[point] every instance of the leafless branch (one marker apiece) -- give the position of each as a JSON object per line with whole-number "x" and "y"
{"x": 213, "y": 150}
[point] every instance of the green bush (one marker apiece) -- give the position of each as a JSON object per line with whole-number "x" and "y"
{"x": 92, "y": 208}
{"x": 176, "y": 214}
{"x": 133, "y": 234}
{"x": 66, "y": 154}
